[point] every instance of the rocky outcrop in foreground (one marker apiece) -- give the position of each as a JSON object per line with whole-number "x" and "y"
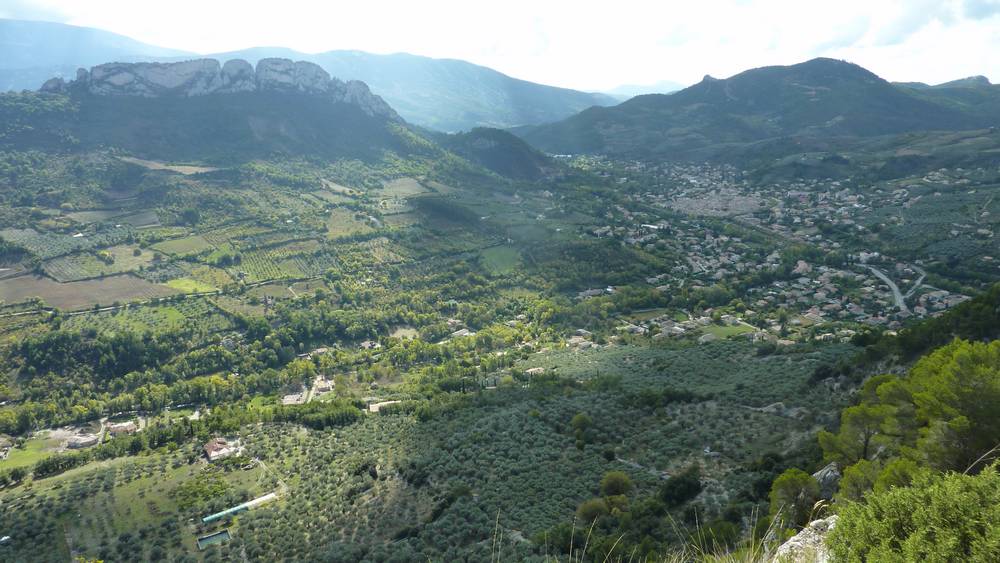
{"x": 203, "y": 77}
{"x": 807, "y": 546}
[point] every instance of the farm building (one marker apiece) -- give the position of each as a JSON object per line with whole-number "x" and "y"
{"x": 82, "y": 441}
{"x": 220, "y": 448}
{"x": 118, "y": 428}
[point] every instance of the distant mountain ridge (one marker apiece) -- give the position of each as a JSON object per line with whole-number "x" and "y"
{"x": 442, "y": 94}
{"x": 202, "y": 77}
{"x": 445, "y": 94}
{"x": 626, "y": 91}
{"x": 31, "y": 52}
{"x": 968, "y": 82}
{"x": 820, "y": 97}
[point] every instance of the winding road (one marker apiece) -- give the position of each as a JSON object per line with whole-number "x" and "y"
{"x": 896, "y": 294}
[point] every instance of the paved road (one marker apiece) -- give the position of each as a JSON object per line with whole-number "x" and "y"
{"x": 896, "y": 294}
{"x": 919, "y": 282}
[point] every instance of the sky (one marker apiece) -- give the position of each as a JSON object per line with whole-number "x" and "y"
{"x": 576, "y": 44}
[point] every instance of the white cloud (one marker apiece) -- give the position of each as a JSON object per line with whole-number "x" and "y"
{"x": 579, "y": 44}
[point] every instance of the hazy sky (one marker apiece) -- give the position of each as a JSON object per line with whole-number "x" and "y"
{"x": 578, "y": 44}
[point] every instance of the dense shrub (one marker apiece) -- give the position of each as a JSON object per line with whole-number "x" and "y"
{"x": 615, "y": 483}
{"x": 682, "y": 487}
{"x": 591, "y": 510}
{"x": 951, "y": 517}
{"x": 793, "y": 495}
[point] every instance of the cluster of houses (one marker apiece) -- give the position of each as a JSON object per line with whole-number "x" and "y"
{"x": 817, "y": 294}
{"x": 82, "y": 438}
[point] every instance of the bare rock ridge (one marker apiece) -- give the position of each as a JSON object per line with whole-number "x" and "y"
{"x": 203, "y": 77}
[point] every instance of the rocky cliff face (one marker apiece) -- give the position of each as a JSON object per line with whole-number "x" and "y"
{"x": 207, "y": 77}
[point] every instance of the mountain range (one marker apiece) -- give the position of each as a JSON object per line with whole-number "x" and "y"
{"x": 205, "y": 111}
{"x": 442, "y": 94}
{"x": 819, "y": 98}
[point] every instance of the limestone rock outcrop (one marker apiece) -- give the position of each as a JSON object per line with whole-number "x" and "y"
{"x": 204, "y": 77}
{"x": 807, "y": 546}
{"x": 828, "y": 479}
{"x": 187, "y": 78}
{"x": 238, "y": 76}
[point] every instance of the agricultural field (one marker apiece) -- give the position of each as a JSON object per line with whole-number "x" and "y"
{"x": 238, "y": 307}
{"x": 187, "y": 246}
{"x": 329, "y": 197}
{"x": 264, "y": 265}
{"x": 404, "y": 332}
{"x": 307, "y": 288}
{"x": 50, "y": 245}
{"x": 85, "y": 265}
{"x": 15, "y": 327}
{"x": 186, "y": 169}
{"x": 81, "y": 294}
{"x": 500, "y": 259}
{"x": 94, "y": 215}
{"x": 344, "y": 222}
{"x": 235, "y": 232}
{"x": 402, "y": 188}
{"x": 377, "y": 251}
{"x": 725, "y": 369}
{"x": 190, "y": 285}
{"x": 728, "y": 331}
{"x": 401, "y": 220}
{"x": 272, "y": 290}
{"x": 12, "y": 269}
{"x": 340, "y": 189}
{"x": 140, "y": 220}
{"x": 43, "y": 245}
{"x": 211, "y": 276}
{"x": 159, "y": 495}
{"x": 200, "y": 313}
{"x": 31, "y": 452}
